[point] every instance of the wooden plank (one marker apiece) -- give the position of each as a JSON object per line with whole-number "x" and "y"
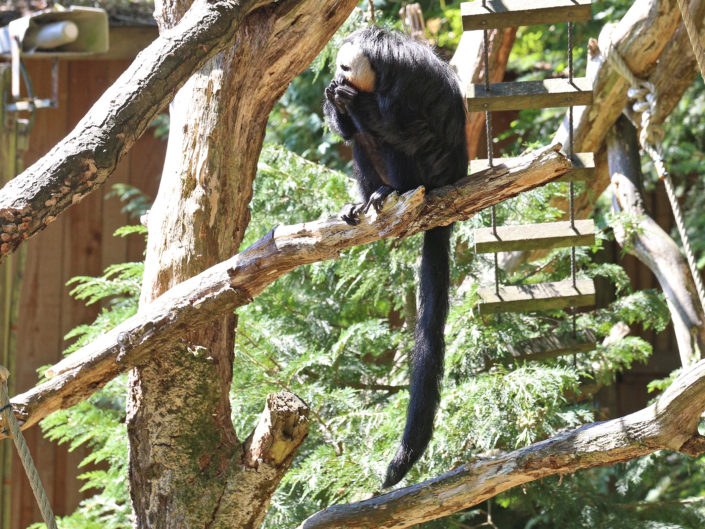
{"x": 553, "y": 346}
{"x": 39, "y": 334}
{"x": 546, "y": 235}
{"x": 542, "y": 296}
{"x": 514, "y": 13}
{"x": 529, "y": 94}
{"x": 583, "y": 166}
{"x": 9, "y": 288}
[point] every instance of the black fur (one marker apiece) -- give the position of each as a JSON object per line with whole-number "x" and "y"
{"x": 408, "y": 132}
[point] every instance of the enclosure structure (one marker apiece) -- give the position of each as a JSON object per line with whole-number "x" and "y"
{"x": 79, "y": 243}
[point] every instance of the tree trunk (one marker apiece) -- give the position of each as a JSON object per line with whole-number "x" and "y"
{"x": 187, "y": 466}
{"x": 651, "y": 244}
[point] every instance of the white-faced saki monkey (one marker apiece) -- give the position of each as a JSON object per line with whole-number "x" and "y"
{"x": 403, "y": 110}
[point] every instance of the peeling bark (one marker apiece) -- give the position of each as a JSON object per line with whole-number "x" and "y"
{"x": 669, "y": 424}
{"x": 233, "y": 283}
{"x": 651, "y": 244}
{"x": 653, "y": 42}
{"x": 81, "y": 162}
{"x": 187, "y": 467}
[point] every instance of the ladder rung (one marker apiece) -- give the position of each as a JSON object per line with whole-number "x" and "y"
{"x": 513, "y": 13}
{"x": 545, "y": 236}
{"x": 583, "y": 166}
{"x": 542, "y": 296}
{"x": 553, "y": 346}
{"x": 529, "y": 94}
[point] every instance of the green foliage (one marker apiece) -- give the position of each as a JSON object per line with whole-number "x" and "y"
{"x": 99, "y": 424}
{"x": 120, "y": 286}
{"x": 339, "y": 334}
{"x": 136, "y": 202}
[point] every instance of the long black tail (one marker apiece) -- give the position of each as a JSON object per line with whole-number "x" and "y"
{"x": 429, "y": 349}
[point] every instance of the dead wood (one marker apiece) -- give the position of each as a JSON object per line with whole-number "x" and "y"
{"x": 81, "y": 162}
{"x": 651, "y": 244}
{"x": 233, "y": 283}
{"x": 653, "y": 42}
{"x": 669, "y": 424}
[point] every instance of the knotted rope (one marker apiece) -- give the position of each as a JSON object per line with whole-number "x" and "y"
{"x": 643, "y": 93}
{"x": 10, "y": 421}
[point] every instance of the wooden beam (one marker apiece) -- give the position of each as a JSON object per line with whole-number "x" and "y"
{"x": 542, "y": 296}
{"x": 583, "y": 166}
{"x": 529, "y": 94}
{"x": 553, "y": 346}
{"x": 545, "y": 235}
{"x": 513, "y": 13}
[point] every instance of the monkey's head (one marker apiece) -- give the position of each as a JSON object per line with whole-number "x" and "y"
{"x": 353, "y": 66}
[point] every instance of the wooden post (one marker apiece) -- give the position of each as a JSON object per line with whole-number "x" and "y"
{"x": 10, "y": 275}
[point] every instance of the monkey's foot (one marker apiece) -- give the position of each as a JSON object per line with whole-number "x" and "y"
{"x": 351, "y": 213}
{"x": 377, "y": 198}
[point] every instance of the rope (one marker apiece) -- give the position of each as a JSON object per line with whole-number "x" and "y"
{"x": 693, "y": 36}
{"x": 644, "y": 94}
{"x": 10, "y": 421}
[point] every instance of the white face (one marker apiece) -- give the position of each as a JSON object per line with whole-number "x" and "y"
{"x": 352, "y": 65}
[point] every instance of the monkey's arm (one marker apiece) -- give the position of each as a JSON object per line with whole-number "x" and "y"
{"x": 379, "y": 118}
{"x": 334, "y": 110}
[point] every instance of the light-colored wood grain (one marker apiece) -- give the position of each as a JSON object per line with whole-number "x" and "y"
{"x": 529, "y": 94}
{"x": 546, "y": 235}
{"x": 513, "y": 13}
{"x": 542, "y": 296}
{"x": 583, "y": 166}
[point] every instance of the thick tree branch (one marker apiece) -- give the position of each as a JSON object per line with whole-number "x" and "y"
{"x": 81, "y": 162}
{"x": 267, "y": 455}
{"x": 654, "y": 44}
{"x": 233, "y": 283}
{"x": 651, "y": 244}
{"x": 670, "y": 424}
{"x": 640, "y": 37}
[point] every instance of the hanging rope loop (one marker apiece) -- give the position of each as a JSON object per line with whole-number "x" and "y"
{"x": 645, "y": 98}
{"x": 10, "y": 422}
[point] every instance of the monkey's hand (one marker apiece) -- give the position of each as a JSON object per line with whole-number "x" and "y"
{"x": 377, "y": 198}
{"x": 341, "y": 95}
{"x": 351, "y": 213}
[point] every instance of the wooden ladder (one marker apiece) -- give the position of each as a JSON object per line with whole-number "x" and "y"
{"x": 479, "y": 15}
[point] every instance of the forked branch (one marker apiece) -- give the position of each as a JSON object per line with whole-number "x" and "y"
{"x": 233, "y": 283}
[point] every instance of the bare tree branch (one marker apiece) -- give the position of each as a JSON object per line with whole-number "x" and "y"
{"x": 83, "y": 160}
{"x": 670, "y": 424}
{"x": 651, "y": 244}
{"x": 655, "y": 45}
{"x": 233, "y": 283}
{"x": 652, "y": 41}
